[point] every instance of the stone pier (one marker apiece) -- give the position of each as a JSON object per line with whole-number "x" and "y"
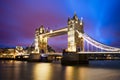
{"x": 34, "y": 57}
{"x": 72, "y": 58}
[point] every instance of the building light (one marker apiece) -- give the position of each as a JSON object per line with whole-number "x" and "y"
{"x": 76, "y": 21}
{"x": 51, "y": 31}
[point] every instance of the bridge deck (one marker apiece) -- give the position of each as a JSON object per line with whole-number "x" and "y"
{"x": 98, "y": 52}
{"x": 56, "y": 32}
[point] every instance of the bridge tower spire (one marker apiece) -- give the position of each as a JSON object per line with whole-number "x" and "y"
{"x": 75, "y": 42}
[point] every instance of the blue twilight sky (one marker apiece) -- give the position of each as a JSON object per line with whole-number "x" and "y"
{"x": 20, "y": 18}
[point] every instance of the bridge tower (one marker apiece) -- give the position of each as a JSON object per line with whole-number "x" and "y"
{"x": 36, "y": 41}
{"x": 40, "y": 40}
{"x": 75, "y": 42}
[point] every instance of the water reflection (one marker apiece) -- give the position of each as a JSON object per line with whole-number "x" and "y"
{"x": 81, "y": 72}
{"x": 75, "y": 73}
{"x": 42, "y": 71}
{"x": 69, "y": 73}
{"x": 17, "y": 70}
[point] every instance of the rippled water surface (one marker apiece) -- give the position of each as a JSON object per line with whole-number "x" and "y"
{"x": 96, "y": 70}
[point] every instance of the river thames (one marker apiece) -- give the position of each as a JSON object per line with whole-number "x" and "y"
{"x": 23, "y": 70}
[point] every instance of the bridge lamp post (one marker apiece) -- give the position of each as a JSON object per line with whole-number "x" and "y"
{"x": 51, "y": 31}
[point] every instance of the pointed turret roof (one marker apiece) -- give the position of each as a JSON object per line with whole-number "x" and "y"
{"x": 75, "y": 16}
{"x": 68, "y": 18}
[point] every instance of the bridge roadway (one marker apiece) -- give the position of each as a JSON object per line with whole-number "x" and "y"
{"x": 98, "y": 52}
{"x": 72, "y": 56}
{"x": 101, "y": 55}
{"x": 90, "y": 54}
{"x": 60, "y": 54}
{"x": 86, "y": 53}
{"x": 45, "y": 54}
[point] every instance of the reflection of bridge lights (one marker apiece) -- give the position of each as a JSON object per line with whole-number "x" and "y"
{"x": 69, "y": 73}
{"x": 42, "y": 71}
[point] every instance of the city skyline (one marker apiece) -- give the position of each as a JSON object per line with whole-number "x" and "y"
{"x": 19, "y": 19}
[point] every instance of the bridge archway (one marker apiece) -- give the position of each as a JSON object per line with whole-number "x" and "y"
{"x": 57, "y": 42}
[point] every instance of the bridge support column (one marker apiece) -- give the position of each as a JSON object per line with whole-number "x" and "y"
{"x": 71, "y": 41}
{"x": 34, "y": 57}
{"x": 36, "y": 43}
{"x": 40, "y": 44}
{"x": 74, "y": 59}
{"x": 75, "y": 41}
{"x": 43, "y": 42}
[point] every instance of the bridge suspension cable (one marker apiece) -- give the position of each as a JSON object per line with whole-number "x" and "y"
{"x": 97, "y": 44}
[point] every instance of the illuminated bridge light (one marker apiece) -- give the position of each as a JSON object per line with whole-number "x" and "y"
{"x": 51, "y": 31}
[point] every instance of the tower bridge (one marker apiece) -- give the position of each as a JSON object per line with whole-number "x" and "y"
{"x": 77, "y": 39}
{"x": 75, "y": 42}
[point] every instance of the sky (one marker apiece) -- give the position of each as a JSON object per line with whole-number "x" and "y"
{"x": 20, "y": 18}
